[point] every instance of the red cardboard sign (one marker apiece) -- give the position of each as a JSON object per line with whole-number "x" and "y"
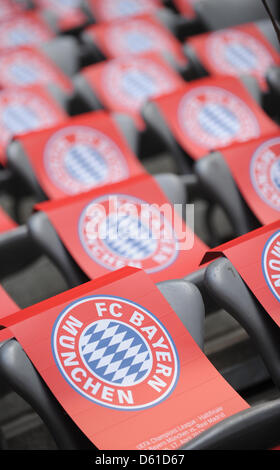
{"x": 137, "y": 35}
{"x": 242, "y": 50}
{"x": 23, "y": 110}
{"x": 255, "y": 168}
{"x": 122, "y": 365}
{"x": 68, "y": 15}
{"x": 185, "y": 7}
{"x": 128, "y": 223}
{"x": 79, "y": 154}
{"x": 27, "y": 66}
{"x": 212, "y": 113}
{"x": 256, "y": 256}
{"x": 109, "y": 10}
{"x": 6, "y": 223}
{"x": 25, "y": 29}
{"x": 124, "y": 84}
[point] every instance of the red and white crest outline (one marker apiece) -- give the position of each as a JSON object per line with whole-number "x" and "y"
{"x": 155, "y": 251}
{"x": 79, "y": 158}
{"x": 235, "y": 52}
{"x": 214, "y": 117}
{"x": 271, "y": 264}
{"x": 265, "y": 172}
{"x": 119, "y": 356}
{"x": 135, "y": 80}
{"x": 21, "y": 111}
{"x": 9, "y": 9}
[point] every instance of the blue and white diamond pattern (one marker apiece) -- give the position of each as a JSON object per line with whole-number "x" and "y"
{"x": 218, "y": 121}
{"x": 86, "y": 165}
{"x": 115, "y": 352}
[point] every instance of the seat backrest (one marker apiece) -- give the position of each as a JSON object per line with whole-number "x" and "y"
{"x": 230, "y": 292}
{"x": 197, "y": 278}
{"x": 45, "y": 237}
{"x": 19, "y": 373}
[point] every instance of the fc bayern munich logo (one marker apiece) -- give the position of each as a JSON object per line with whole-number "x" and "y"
{"x": 235, "y": 52}
{"x": 120, "y": 230}
{"x": 135, "y": 36}
{"x": 265, "y": 172}
{"x": 112, "y": 9}
{"x": 115, "y": 353}
{"x": 22, "y": 111}
{"x": 79, "y": 158}
{"x": 23, "y": 68}
{"x": 271, "y": 264}
{"x": 214, "y": 117}
{"x": 135, "y": 80}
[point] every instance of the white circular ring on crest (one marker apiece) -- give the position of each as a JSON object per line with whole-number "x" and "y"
{"x": 255, "y": 156}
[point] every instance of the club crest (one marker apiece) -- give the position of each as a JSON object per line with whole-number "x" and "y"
{"x": 79, "y": 158}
